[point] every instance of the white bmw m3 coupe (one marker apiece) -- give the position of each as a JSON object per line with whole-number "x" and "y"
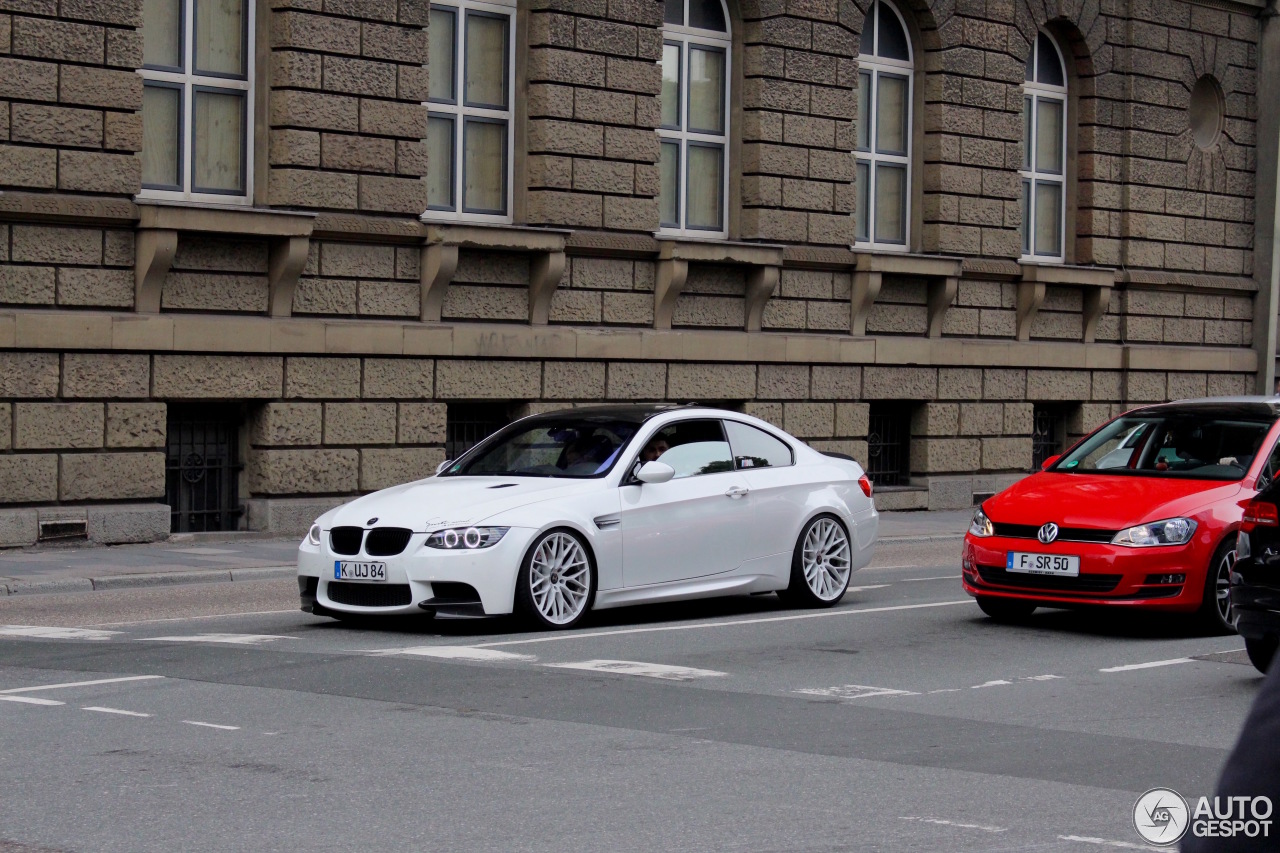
{"x": 561, "y": 513}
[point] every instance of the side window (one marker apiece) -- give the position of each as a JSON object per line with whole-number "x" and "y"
{"x": 755, "y": 448}
{"x": 1268, "y": 473}
{"x": 691, "y": 447}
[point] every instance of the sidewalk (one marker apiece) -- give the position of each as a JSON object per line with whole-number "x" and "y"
{"x": 240, "y": 557}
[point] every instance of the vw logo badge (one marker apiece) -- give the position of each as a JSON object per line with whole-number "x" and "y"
{"x": 1048, "y": 533}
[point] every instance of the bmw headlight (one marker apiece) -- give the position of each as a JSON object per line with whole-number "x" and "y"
{"x": 313, "y": 535}
{"x": 466, "y": 538}
{"x": 981, "y": 525}
{"x": 1172, "y": 531}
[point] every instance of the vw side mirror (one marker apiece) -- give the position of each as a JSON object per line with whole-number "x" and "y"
{"x": 1048, "y": 463}
{"x": 445, "y": 464}
{"x": 655, "y": 472}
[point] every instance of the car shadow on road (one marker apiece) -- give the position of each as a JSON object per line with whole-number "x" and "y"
{"x": 1108, "y": 623}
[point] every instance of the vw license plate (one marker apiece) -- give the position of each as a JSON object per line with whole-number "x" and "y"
{"x": 346, "y": 570}
{"x": 1043, "y": 564}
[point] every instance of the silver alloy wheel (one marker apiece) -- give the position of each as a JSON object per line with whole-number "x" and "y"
{"x": 825, "y": 559}
{"x": 1222, "y": 587}
{"x": 560, "y": 578}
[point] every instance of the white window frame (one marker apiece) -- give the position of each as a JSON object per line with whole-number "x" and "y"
{"x": 1036, "y": 92}
{"x": 188, "y": 82}
{"x": 685, "y": 36}
{"x": 458, "y": 112}
{"x": 875, "y": 66}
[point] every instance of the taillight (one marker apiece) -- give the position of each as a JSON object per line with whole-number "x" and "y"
{"x": 1259, "y": 514}
{"x": 865, "y": 485}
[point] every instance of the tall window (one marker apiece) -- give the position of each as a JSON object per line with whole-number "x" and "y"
{"x": 883, "y": 144}
{"x": 1044, "y": 147}
{"x": 695, "y": 118}
{"x": 197, "y": 116}
{"x": 469, "y": 110}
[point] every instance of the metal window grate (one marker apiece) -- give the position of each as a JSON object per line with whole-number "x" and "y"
{"x": 1048, "y": 430}
{"x": 470, "y": 423}
{"x": 888, "y": 446}
{"x": 202, "y": 468}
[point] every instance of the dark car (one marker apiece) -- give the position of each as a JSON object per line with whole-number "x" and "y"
{"x": 1255, "y": 577}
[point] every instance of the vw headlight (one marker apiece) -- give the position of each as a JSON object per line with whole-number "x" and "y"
{"x": 1172, "y": 531}
{"x": 466, "y": 538}
{"x": 981, "y": 525}
{"x": 313, "y": 535}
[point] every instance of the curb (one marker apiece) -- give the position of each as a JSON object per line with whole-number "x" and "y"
{"x": 141, "y": 581}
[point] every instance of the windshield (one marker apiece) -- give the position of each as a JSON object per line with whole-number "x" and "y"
{"x": 566, "y": 447}
{"x": 1186, "y": 445}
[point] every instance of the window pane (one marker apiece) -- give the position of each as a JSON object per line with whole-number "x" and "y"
{"x": 704, "y": 193}
{"x": 864, "y": 111}
{"x": 893, "y": 39}
{"x": 674, "y": 13}
{"x": 861, "y": 209}
{"x": 1048, "y": 67}
{"x": 671, "y": 85}
{"x": 440, "y": 162}
{"x": 707, "y": 15}
{"x": 218, "y": 162}
{"x": 891, "y": 114}
{"x": 443, "y": 67}
{"x": 161, "y": 136}
{"x": 1049, "y": 135}
{"x": 706, "y": 90}
{"x": 891, "y": 204}
{"x": 484, "y": 171}
{"x": 1026, "y": 217}
{"x": 867, "y": 43}
{"x": 219, "y": 36}
{"x": 1048, "y": 218}
{"x": 1026, "y": 133}
{"x": 755, "y": 448}
{"x": 162, "y": 33}
{"x": 669, "y": 196}
{"x": 486, "y": 74}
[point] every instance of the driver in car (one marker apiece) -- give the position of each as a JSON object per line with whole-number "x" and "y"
{"x": 655, "y": 448}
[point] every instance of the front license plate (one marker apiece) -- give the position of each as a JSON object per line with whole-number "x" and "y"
{"x": 346, "y": 570}
{"x": 1043, "y": 564}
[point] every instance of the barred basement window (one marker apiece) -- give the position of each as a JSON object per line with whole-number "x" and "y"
{"x": 469, "y": 139}
{"x": 197, "y": 120}
{"x": 1044, "y": 147}
{"x": 889, "y": 444}
{"x": 1048, "y": 433}
{"x": 468, "y": 424}
{"x": 202, "y": 468}
{"x": 883, "y": 142}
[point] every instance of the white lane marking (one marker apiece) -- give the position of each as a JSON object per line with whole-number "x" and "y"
{"x": 938, "y": 578}
{"x": 55, "y": 633}
{"x": 854, "y": 691}
{"x": 864, "y": 588}
{"x": 958, "y": 824}
{"x": 946, "y": 690}
{"x": 212, "y": 726}
{"x": 469, "y": 653}
{"x": 999, "y": 682}
{"x": 882, "y": 568}
{"x": 1149, "y": 665}
{"x": 230, "y": 639}
{"x": 81, "y": 683}
{"x": 103, "y": 710}
{"x": 30, "y": 700}
{"x": 648, "y": 670}
{"x": 188, "y": 618}
{"x": 1039, "y": 677}
{"x": 728, "y": 624}
{"x": 1107, "y": 843}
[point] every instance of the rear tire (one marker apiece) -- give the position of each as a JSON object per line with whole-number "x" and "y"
{"x": 1215, "y": 604}
{"x": 821, "y": 564}
{"x": 1262, "y": 652}
{"x": 1006, "y": 609}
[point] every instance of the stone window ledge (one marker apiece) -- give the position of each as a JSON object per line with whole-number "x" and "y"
{"x": 439, "y": 261}
{"x": 1096, "y": 282}
{"x": 764, "y": 270}
{"x": 941, "y": 272}
{"x": 156, "y": 242}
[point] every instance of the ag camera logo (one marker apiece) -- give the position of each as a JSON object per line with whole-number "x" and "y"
{"x": 1160, "y": 816}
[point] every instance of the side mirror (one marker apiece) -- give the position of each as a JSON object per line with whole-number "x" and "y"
{"x": 1048, "y": 463}
{"x": 655, "y": 472}
{"x": 445, "y": 464}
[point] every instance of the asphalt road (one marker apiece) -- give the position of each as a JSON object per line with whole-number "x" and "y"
{"x": 901, "y": 720}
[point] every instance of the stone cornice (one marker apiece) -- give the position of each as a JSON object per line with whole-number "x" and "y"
{"x": 67, "y": 209}
{"x": 1197, "y": 282}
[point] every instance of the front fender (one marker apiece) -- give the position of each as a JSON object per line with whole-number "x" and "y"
{"x": 580, "y": 514}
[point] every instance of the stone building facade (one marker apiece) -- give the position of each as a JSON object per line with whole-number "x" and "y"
{"x": 259, "y": 256}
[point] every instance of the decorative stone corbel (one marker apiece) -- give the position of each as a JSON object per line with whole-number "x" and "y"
{"x": 761, "y": 283}
{"x": 288, "y": 257}
{"x": 669, "y": 281}
{"x": 1030, "y": 298}
{"x": 437, "y": 264}
{"x": 942, "y": 292}
{"x": 866, "y": 288}
{"x": 545, "y": 272}
{"x": 154, "y": 249}
{"x": 1096, "y": 300}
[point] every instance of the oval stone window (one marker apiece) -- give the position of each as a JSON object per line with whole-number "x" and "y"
{"x": 1206, "y": 112}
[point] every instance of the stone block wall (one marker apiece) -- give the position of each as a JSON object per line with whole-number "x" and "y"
{"x": 348, "y": 279}
{"x": 45, "y": 266}
{"x": 816, "y": 300}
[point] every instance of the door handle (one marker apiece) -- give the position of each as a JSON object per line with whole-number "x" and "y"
{"x": 736, "y": 492}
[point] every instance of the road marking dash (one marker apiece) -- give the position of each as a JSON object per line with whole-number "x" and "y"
{"x": 999, "y": 682}
{"x": 854, "y": 691}
{"x": 82, "y": 683}
{"x": 121, "y": 711}
{"x": 467, "y": 653}
{"x": 647, "y": 670}
{"x": 1148, "y": 665}
{"x": 1127, "y": 845}
{"x": 45, "y": 633}
{"x": 30, "y": 700}
{"x": 229, "y": 639}
{"x": 212, "y": 725}
{"x": 937, "y": 578}
{"x": 957, "y": 824}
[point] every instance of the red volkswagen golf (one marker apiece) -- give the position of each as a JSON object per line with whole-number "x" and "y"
{"x": 1142, "y": 513}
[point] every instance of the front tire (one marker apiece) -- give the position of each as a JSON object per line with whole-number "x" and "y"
{"x": 821, "y": 564}
{"x": 1215, "y": 604}
{"x": 557, "y": 581}
{"x": 1006, "y": 609}
{"x": 1261, "y": 651}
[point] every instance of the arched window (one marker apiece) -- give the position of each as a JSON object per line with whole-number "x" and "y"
{"x": 883, "y": 145}
{"x": 695, "y": 118}
{"x": 1044, "y": 153}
